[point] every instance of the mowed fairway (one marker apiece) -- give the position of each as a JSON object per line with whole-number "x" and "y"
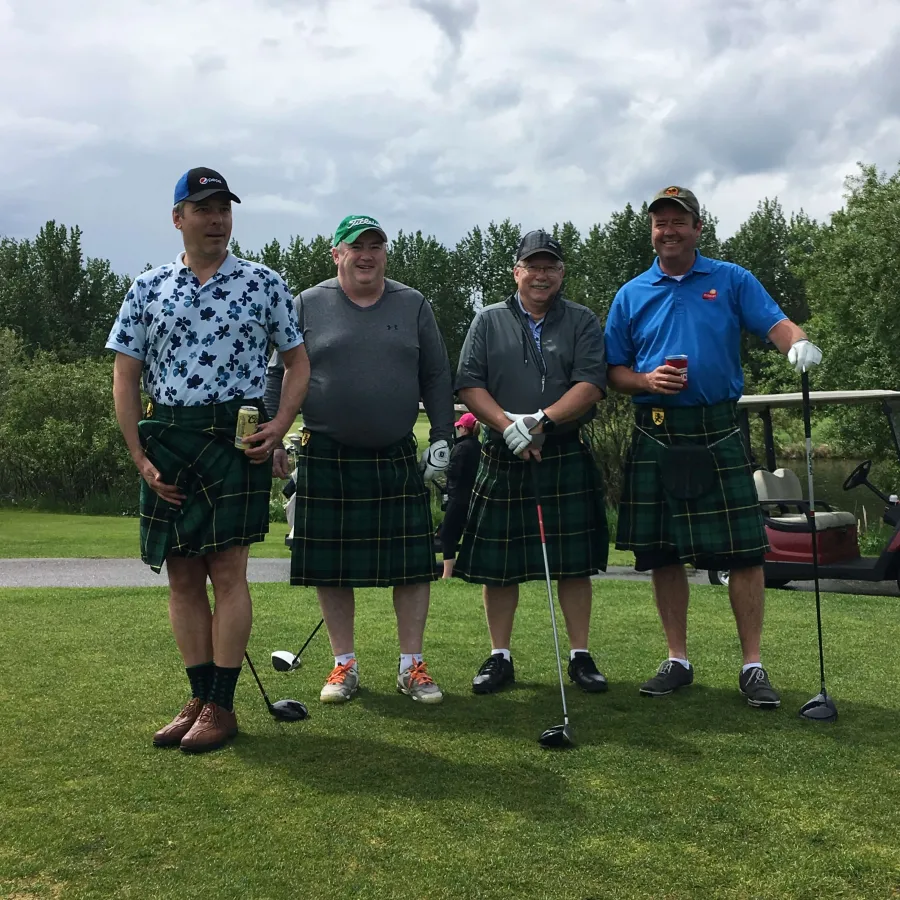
{"x": 691, "y": 796}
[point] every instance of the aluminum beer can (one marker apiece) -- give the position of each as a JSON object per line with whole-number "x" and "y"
{"x": 247, "y": 422}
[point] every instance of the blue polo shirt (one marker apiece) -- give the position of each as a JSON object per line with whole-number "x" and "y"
{"x": 206, "y": 343}
{"x": 701, "y": 315}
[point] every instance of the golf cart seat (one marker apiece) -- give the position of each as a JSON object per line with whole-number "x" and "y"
{"x": 781, "y": 496}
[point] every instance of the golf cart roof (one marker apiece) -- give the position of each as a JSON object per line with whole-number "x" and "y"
{"x": 777, "y": 401}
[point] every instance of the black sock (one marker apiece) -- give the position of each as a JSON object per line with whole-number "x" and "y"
{"x": 224, "y": 683}
{"x": 201, "y": 678}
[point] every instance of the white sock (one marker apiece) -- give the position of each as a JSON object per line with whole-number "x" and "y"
{"x": 344, "y": 658}
{"x": 407, "y": 659}
{"x": 683, "y": 662}
{"x": 578, "y": 650}
{"x": 504, "y": 653}
{"x": 756, "y": 665}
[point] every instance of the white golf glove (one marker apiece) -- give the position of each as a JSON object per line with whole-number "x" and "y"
{"x": 804, "y": 355}
{"x": 435, "y": 459}
{"x": 518, "y": 435}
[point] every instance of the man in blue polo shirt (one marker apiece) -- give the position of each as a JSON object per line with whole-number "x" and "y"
{"x": 195, "y": 333}
{"x": 673, "y": 341}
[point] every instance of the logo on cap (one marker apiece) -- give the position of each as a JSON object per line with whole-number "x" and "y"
{"x": 671, "y": 191}
{"x": 205, "y": 180}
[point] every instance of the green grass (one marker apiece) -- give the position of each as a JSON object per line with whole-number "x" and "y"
{"x": 691, "y": 796}
{"x": 28, "y": 534}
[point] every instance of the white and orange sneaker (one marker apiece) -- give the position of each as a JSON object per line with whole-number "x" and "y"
{"x": 342, "y": 683}
{"x": 418, "y": 684}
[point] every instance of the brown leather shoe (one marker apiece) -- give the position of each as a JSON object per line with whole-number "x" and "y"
{"x": 213, "y": 728}
{"x": 171, "y": 734}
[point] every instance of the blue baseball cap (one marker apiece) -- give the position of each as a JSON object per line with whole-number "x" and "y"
{"x": 198, "y": 184}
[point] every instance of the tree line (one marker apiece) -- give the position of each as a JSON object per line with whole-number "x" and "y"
{"x": 838, "y": 278}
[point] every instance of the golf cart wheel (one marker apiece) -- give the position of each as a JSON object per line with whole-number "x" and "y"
{"x": 719, "y": 577}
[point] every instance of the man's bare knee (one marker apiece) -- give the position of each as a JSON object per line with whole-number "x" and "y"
{"x": 187, "y": 577}
{"x": 228, "y": 569}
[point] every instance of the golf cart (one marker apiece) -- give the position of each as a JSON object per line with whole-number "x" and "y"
{"x": 781, "y": 497}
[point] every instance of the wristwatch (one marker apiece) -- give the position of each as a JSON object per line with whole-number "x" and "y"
{"x": 545, "y": 420}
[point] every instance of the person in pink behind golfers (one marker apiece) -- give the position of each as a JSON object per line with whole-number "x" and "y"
{"x": 688, "y": 493}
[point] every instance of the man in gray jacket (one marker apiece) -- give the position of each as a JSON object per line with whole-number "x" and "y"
{"x": 363, "y": 516}
{"x": 533, "y": 369}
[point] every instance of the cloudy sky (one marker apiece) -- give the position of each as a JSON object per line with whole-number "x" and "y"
{"x": 433, "y": 114}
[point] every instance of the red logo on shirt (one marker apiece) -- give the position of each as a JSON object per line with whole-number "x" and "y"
{"x": 710, "y": 295}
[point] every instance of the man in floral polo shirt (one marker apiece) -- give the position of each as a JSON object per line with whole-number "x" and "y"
{"x": 196, "y": 334}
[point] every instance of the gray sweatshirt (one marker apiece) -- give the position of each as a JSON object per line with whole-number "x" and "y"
{"x": 501, "y": 356}
{"x": 370, "y": 366}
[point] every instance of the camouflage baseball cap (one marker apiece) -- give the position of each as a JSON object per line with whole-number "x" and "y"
{"x": 682, "y": 196}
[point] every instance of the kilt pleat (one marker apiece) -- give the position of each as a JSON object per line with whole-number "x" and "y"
{"x": 227, "y": 498}
{"x": 501, "y": 543}
{"x": 362, "y": 517}
{"x": 724, "y": 522}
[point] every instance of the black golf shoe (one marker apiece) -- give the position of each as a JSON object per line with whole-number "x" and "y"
{"x": 669, "y": 677}
{"x": 584, "y": 672}
{"x": 495, "y": 672}
{"x": 755, "y": 686}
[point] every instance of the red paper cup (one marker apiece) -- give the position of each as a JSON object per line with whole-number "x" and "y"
{"x": 678, "y": 361}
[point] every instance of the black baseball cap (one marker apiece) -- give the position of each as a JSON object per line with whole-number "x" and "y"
{"x": 538, "y": 242}
{"x": 198, "y": 184}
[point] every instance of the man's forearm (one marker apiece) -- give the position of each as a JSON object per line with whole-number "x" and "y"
{"x": 294, "y": 386}
{"x": 785, "y": 334}
{"x": 127, "y": 400}
{"x": 574, "y": 403}
{"x": 627, "y": 381}
{"x": 485, "y": 408}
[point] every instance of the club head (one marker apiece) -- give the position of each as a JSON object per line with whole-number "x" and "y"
{"x": 820, "y": 709}
{"x": 289, "y": 710}
{"x": 285, "y": 661}
{"x": 559, "y": 737}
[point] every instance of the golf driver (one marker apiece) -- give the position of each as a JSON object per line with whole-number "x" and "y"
{"x": 559, "y": 736}
{"x": 283, "y": 710}
{"x": 285, "y": 661}
{"x": 821, "y": 708}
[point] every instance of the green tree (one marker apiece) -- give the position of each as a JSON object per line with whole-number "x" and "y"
{"x": 52, "y": 298}
{"x": 429, "y": 267}
{"x": 853, "y": 278}
{"x": 764, "y": 245}
{"x": 486, "y": 260}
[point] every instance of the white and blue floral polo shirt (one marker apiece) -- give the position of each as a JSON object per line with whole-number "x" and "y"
{"x": 205, "y": 344}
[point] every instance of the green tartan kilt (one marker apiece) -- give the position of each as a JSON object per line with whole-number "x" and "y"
{"x": 726, "y": 521}
{"x": 227, "y": 501}
{"x": 362, "y": 517}
{"x": 501, "y": 544}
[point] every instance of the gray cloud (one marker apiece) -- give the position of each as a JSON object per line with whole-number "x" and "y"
{"x": 432, "y": 114}
{"x": 453, "y": 17}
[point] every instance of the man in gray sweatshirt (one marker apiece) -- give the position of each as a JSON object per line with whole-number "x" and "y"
{"x": 362, "y": 516}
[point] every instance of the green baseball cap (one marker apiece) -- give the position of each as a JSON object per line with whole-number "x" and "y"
{"x": 352, "y": 227}
{"x": 682, "y": 196}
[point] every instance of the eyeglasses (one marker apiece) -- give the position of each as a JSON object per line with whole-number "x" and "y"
{"x": 540, "y": 270}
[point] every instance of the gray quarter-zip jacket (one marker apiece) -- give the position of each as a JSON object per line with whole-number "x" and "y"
{"x": 501, "y": 356}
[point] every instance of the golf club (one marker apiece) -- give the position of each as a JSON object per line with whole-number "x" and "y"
{"x": 285, "y": 661}
{"x": 821, "y": 708}
{"x": 559, "y": 736}
{"x": 283, "y": 710}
